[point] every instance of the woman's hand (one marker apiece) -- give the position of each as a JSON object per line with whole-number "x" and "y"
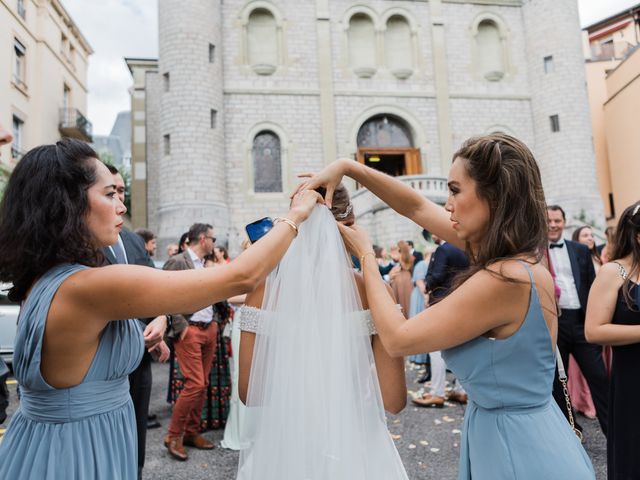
{"x": 356, "y": 240}
{"x": 329, "y": 178}
{"x": 302, "y": 205}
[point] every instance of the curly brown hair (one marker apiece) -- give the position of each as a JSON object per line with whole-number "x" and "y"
{"x": 43, "y": 214}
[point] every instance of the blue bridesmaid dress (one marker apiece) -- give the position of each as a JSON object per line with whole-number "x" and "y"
{"x": 83, "y": 432}
{"x": 513, "y": 428}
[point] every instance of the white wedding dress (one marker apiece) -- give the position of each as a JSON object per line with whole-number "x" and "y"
{"x": 314, "y": 408}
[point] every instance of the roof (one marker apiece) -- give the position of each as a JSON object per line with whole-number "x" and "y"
{"x": 621, "y": 15}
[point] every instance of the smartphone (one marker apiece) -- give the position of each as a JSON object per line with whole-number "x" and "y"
{"x": 258, "y": 229}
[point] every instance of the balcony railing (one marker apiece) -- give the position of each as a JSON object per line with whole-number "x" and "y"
{"x": 610, "y": 50}
{"x": 433, "y": 188}
{"x": 74, "y": 124}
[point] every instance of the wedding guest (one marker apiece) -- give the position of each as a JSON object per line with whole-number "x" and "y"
{"x": 573, "y": 266}
{"x": 400, "y": 277}
{"x": 172, "y": 249}
{"x": 497, "y": 328}
{"x": 418, "y": 302}
{"x": 150, "y": 241}
{"x": 221, "y": 255}
{"x": 613, "y": 318}
{"x": 76, "y": 418}
{"x": 183, "y": 243}
{"x": 216, "y": 399}
{"x": 584, "y": 235}
{"x": 578, "y": 386}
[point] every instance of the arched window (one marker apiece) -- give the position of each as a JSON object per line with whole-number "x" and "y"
{"x": 491, "y": 58}
{"x": 262, "y": 41}
{"x": 398, "y": 46}
{"x": 384, "y": 131}
{"x": 267, "y": 163}
{"x": 362, "y": 45}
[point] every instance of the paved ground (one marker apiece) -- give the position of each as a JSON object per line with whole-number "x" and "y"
{"x": 427, "y": 439}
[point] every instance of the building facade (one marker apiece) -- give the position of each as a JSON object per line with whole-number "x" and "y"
{"x": 43, "y": 89}
{"x": 607, "y": 43}
{"x": 248, "y": 94}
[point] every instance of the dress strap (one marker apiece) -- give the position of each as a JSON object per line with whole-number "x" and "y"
{"x": 528, "y": 269}
{"x": 622, "y": 270}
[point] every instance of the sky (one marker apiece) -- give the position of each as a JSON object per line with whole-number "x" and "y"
{"x": 129, "y": 28}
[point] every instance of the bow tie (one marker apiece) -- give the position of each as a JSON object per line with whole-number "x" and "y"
{"x": 556, "y": 245}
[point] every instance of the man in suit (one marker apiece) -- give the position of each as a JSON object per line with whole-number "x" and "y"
{"x": 446, "y": 262}
{"x": 129, "y": 249}
{"x": 195, "y": 335}
{"x": 574, "y": 272}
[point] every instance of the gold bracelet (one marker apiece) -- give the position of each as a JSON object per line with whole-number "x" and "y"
{"x": 289, "y": 222}
{"x": 362, "y": 259}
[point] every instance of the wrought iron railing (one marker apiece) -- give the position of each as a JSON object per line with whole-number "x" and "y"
{"x": 75, "y": 124}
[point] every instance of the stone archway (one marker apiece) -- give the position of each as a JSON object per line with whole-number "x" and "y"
{"x": 385, "y": 143}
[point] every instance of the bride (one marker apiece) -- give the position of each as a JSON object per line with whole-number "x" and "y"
{"x": 311, "y": 367}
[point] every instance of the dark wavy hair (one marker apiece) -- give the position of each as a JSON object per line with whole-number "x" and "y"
{"x": 43, "y": 214}
{"x": 508, "y": 178}
{"x": 625, "y": 243}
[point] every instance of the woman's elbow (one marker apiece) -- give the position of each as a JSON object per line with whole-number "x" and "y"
{"x": 592, "y": 334}
{"x": 396, "y": 405}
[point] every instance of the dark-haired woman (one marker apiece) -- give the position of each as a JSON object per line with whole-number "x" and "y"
{"x": 584, "y": 235}
{"x": 613, "y": 318}
{"x": 497, "y": 328}
{"x": 74, "y": 348}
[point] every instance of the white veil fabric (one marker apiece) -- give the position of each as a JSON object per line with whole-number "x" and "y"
{"x": 314, "y": 405}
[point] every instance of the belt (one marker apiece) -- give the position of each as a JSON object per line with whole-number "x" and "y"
{"x": 200, "y": 325}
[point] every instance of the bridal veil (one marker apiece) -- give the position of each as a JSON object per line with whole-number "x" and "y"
{"x": 314, "y": 405}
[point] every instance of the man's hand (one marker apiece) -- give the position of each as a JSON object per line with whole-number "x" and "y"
{"x": 154, "y": 332}
{"x": 160, "y": 352}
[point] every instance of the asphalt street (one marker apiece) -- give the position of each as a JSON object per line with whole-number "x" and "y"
{"x": 427, "y": 439}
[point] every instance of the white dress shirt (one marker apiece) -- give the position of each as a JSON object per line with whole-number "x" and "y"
{"x": 564, "y": 277}
{"x": 206, "y": 314}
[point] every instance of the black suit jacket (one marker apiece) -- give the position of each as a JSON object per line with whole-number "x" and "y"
{"x": 445, "y": 263}
{"x": 133, "y": 247}
{"x": 582, "y": 269}
{"x": 136, "y": 255}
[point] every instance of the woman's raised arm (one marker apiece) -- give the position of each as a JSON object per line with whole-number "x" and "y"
{"x": 399, "y": 196}
{"x": 127, "y": 291}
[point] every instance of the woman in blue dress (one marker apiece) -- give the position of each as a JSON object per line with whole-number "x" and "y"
{"x": 418, "y": 301}
{"x": 498, "y": 326}
{"x": 74, "y": 350}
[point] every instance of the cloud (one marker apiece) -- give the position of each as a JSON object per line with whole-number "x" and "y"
{"x": 592, "y": 11}
{"x": 115, "y": 29}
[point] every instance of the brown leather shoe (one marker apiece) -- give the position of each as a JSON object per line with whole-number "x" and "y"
{"x": 430, "y": 401}
{"x": 458, "y": 397}
{"x": 176, "y": 447}
{"x": 198, "y": 441}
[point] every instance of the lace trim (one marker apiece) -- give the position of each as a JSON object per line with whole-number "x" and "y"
{"x": 251, "y": 317}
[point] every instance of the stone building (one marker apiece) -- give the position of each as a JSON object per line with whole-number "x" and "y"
{"x": 43, "y": 82}
{"x": 247, "y": 94}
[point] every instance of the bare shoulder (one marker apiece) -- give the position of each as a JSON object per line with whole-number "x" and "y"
{"x": 610, "y": 272}
{"x": 503, "y": 277}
